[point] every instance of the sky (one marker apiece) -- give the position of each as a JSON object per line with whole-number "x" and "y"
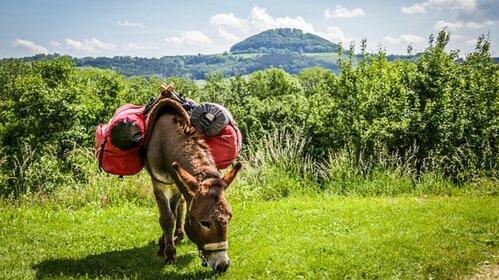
{"x": 155, "y": 28}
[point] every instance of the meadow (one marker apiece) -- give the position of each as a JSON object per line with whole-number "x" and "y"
{"x": 304, "y": 237}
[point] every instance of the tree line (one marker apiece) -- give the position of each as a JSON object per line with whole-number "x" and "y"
{"x": 437, "y": 112}
{"x": 197, "y": 67}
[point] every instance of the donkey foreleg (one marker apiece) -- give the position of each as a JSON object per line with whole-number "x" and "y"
{"x": 167, "y": 223}
{"x": 179, "y": 216}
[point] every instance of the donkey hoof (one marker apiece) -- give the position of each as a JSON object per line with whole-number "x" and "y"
{"x": 177, "y": 239}
{"x": 161, "y": 253}
{"x": 170, "y": 259}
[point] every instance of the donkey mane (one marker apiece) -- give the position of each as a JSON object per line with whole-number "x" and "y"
{"x": 197, "y": 158}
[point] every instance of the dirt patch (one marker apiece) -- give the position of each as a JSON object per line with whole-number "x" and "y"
{"x": 487, "y": 272}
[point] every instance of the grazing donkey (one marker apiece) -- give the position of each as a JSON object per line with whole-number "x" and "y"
{"x": 183, "y": 172}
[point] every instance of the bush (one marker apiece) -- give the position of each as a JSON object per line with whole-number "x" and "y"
{"x": 379, "y": 126}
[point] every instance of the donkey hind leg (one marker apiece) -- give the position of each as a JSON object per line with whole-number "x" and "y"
{"x": 179, "y": 217}
{"x": 166, "y": 221}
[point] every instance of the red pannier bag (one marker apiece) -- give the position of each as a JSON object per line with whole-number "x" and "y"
{"x": 225, "y": 146}
{"x": 118, "y": 143}
{"x": 222, "y": 136}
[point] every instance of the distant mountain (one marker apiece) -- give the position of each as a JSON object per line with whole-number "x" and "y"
{"x": 288, "y": 49}
{"x": 284, "y": 39}
{"x": 197, "y": 67}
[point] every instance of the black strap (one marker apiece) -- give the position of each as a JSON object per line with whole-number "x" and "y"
{"x": 101, "y": 153}
{"x": 233, "y": 125}
{"x": 149, "y": 106}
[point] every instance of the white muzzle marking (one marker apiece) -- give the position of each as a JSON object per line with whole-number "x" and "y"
{"x": 216, "y": 255}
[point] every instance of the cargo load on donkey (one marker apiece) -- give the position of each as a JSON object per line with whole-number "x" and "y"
{"x": 120, "y": 142}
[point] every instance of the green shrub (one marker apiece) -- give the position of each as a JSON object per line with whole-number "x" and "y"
{"x": 379, "y": 126}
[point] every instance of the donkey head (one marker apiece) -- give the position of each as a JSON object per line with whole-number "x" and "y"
{"x": 208, "y": 215}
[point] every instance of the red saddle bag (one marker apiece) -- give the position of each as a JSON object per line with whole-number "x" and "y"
{"x": 225, "y": 146}
{"x": 119, "y": 143}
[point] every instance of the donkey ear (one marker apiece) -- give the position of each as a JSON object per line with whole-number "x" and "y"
{"x": 229, "y": 177}
{"x": 187, "y": 178}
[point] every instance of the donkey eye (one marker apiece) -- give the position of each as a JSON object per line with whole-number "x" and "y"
{"x": 205, "y": 224}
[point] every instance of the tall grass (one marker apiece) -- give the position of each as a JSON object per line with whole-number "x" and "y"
{"x": 279, "y": 165}
{"x": 31, "y": 172}
{"x": 276, "y": 166}
{"x": 100, "y": 188}
{"x": 72, "y": 183}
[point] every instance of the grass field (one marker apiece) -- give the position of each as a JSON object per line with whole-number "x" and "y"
{"x": 331, "y": 56}
{"x": 313, "y": 237}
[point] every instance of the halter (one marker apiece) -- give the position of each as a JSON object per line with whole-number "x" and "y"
{"x": 217, "y": 246}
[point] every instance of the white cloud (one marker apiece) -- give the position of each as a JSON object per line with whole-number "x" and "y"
{"x": 260, "y": 20}
{"x": 473, "y": 13}
{"x": 138, "y": 47}
{"x": 342, "y": 12}
{"x": 403, "y": 39}
{"x": 479, "y": 24}
{"x": 29, "y": 46}
{"x": 457, "y": 36}
{"x": 131, "y": 24}
{"x": 228, "y": 36}
{"x": 233, "y": 29}
{"x": 229, "y": 20}
{"x": 90, "y": 46}
{"x": 55, "y": 44}
{"x": 418, "y": 8}
{"x": 228, "y": 25}
{"x": 453, "y": 26}
{"x": 471, "y": 42}
{"x": 335, "y": 35}
{"x": 457, "y": 5}
{"x": 462, "y": 5}
{"x": 190, "y": 39}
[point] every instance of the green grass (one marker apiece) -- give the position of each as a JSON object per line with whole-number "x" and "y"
{"x": 330, "y": 56}
{"x": 246, "y": 55}
{"x": 310, "y": 237}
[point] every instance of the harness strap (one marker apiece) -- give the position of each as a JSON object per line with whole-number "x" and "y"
{"x": 101, "y": 153}
{"x": 219, "y": 246}
{"x": 233, "y": 125}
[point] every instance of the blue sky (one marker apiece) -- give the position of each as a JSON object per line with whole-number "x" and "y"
{"x": 154, "y": 28}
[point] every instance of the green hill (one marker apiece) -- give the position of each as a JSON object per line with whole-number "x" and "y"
{"x": 288, "y": 49}
{"x": 284, "y": 39}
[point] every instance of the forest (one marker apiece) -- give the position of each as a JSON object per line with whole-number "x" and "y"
{"x": 198, "y": 67}
{"x": 292, "y": 40}
{"x": 434, "y": 116}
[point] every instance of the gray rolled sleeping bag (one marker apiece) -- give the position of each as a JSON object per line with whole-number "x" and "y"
{"x": 210, "y": 118}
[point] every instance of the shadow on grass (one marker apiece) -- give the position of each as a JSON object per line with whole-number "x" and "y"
{"x": 140, "y": 263}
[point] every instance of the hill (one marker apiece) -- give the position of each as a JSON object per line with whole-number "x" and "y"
{"x": 284, "y": 39}
{"x": 197, "y": 67}
{"x": 288, "y": 49}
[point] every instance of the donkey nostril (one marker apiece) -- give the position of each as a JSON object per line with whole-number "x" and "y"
{"x": 221, "y": 268}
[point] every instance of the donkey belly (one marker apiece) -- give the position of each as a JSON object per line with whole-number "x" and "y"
{"x": 170, "y": 191}
{"x": 163, "y": 147}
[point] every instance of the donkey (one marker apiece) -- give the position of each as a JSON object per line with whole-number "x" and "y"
{"x": 183, "y": 173}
